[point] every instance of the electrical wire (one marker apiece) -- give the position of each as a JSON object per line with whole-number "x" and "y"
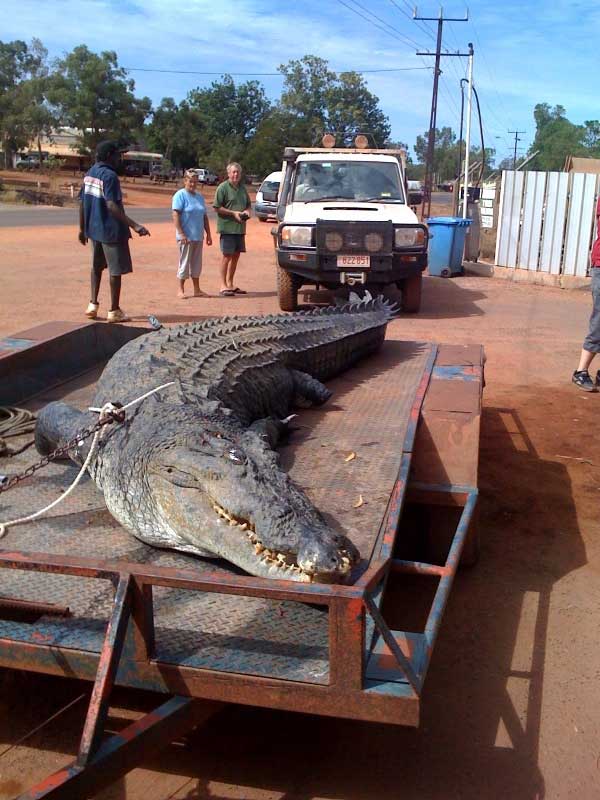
{"x": 385, "y": 26}
{"x": 261, "y": 74}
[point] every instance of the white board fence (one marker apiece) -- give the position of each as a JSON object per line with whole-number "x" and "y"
{"x": 546, "y": 221}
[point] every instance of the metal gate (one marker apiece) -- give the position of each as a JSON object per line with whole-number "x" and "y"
{"x": 546, "y": 221}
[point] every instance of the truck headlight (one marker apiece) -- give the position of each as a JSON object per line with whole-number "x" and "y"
{"x": 409, "y": 237}
{"x": 297, "y": 235}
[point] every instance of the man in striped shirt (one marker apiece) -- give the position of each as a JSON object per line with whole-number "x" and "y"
{"x": 102, "y": 221}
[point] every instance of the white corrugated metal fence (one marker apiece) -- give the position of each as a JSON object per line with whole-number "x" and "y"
{"x": 546, "y": 221}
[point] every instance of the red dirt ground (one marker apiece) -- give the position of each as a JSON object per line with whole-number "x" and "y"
{"x": 511, "y": 708}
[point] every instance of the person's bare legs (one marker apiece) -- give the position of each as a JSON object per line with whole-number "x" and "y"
{"x": 95, "y": 284}
{"x": 224, "y": 270}
{"x": 231, "y": 269}
{"x": 181, "y": 292}
{"x": 585, "y": 360}
{"x": 197, "y": 290}
{"x": 115, "y": 292}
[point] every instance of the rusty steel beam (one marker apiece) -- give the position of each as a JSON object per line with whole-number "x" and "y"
{"x": 124, "y": 751}
{"x": 108, "y": 664}
{"x": 230, "y": 687}
{"x": 246, "y": 585}
{"x": 388, "y": 637}
{"x": 31, "y": 607}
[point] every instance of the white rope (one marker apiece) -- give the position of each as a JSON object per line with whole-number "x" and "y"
{"x": 137, "y": 399}
{"x": 106, "y": 409}
{"x": 4, "y": 526}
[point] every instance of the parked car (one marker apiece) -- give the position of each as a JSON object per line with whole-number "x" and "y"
{"x": 133, "y": 171}
{"x": 161, "y": 174}
{"x": 206, "y": 177}
{"x": 28, "y": 163}
{"x": 266, "y": 197}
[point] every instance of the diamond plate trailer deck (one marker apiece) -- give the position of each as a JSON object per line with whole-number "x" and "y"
{"x": 80, "y": 597}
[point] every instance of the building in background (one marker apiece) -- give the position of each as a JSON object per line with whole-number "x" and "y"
{"x": 64, "y": 144}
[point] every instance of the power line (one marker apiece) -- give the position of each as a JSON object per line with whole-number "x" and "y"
{"x": 385, "y": 26}
{"x": 262, "y": 74}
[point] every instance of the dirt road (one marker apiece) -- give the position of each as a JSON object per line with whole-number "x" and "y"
{"x": 511, "y": 708}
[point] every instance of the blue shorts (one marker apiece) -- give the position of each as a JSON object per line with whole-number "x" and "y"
{"x": 232, "y": 243}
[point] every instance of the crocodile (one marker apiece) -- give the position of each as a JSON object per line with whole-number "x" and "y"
{"x": 194, "y": 467}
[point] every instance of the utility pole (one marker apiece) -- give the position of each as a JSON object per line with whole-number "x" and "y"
{"x": 516, "y": 133}
{"x": 468, "y": 134}
{"x": 426, "y": 207}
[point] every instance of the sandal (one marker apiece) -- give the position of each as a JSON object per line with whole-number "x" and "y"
{"x": 239, "y": 291}
{"x": 227, "y": 293}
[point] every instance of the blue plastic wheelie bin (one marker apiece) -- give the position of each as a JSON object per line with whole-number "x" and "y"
{"x": 446, "y": 245}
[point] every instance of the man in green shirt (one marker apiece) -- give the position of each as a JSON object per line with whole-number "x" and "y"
{"x": 232, "y": 205}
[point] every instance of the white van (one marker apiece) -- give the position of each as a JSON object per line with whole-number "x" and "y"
{"x": 266, "y": 197}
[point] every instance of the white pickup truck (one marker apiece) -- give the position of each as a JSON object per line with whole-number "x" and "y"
{"x": 343, "y": 220}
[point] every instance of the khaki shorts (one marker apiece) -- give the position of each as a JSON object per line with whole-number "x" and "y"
{"x": 112, "y": 255}
{"x": 190, "y": 260}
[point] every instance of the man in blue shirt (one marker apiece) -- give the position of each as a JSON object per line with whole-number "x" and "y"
{"x": 103, "y": 221}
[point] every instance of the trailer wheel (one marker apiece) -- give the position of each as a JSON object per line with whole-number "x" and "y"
{"x": 411, "y": 293}
{"x": 287, "y": 290}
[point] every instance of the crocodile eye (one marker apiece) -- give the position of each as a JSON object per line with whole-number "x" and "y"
{"x": 236, "y": 456}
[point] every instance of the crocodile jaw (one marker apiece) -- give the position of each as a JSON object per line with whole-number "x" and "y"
{"x": 191, "y": 515}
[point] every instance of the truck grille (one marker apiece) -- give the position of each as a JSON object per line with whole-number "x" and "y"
{"x": 341, "y": 236}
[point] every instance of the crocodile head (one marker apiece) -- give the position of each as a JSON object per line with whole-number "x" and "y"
{"x": 225, "y": 495}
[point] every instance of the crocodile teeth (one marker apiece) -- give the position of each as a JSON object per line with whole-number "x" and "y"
{"x": 258, "y": 548}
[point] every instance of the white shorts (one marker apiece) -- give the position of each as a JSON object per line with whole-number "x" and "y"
{"x": 190, "y": 260}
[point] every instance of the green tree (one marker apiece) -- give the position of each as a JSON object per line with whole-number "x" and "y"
{"x": 591, "y": 137}
{"x": 352, "y": 109}
{"x": 230, "y": 115}
{"x": 176, "y": 131}
{"x": 278, "y": 130}
{"x": 95, "y": 96}
{"x": 445, "y": 156}
{"x": 19, "y": 63}
{"x": 327, "y": 102}
{"x": 555, "y": 138}
{"x": 39, "y": 117}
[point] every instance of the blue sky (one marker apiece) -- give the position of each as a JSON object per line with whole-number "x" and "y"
{"x": 525, "y": 52}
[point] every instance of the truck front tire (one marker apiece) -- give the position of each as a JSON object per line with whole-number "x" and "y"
{"x": 287, "y": 290}
{"x": 411, "y": 293}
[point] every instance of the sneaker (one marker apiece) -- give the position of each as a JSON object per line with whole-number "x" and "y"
{"x": 117, "y": 316}
{"x": 91, "y": 311}
{"x": 583, "y": 380}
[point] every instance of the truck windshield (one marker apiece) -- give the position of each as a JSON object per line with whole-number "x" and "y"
{"x": 348, "y": 180}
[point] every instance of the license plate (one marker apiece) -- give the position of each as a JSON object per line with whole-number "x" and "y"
{"x": 354, "y": 261}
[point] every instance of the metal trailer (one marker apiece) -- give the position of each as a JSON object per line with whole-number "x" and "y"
{"x": 83, "y": 598}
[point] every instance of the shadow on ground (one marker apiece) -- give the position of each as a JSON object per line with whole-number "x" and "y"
{"x": 481, "y": 710}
